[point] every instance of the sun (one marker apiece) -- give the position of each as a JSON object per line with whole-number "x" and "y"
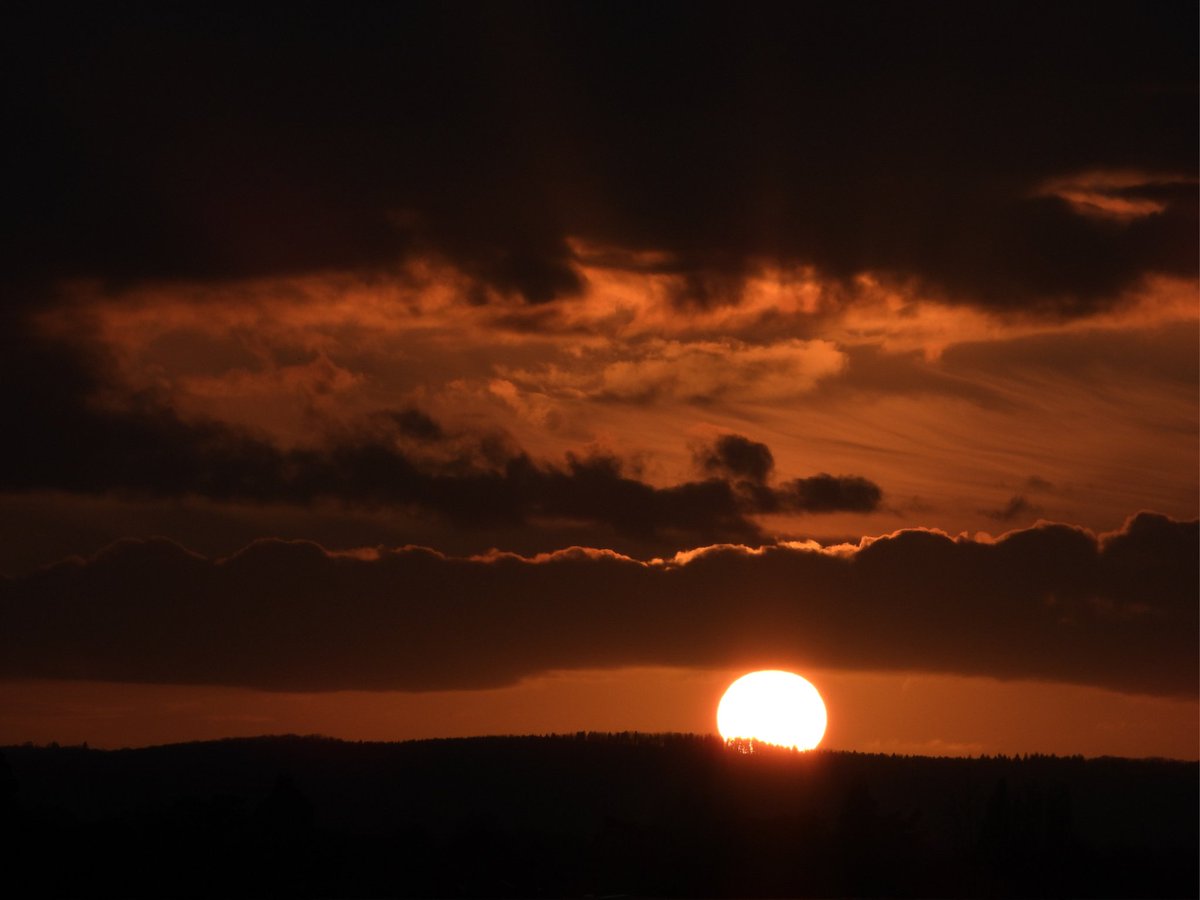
{"x": 773, "y": 707}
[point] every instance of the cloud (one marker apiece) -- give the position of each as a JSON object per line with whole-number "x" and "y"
{"x": 825, "y": 493}
{"x": 1122, "y": 196}
{"x": 71, "y": 438}
{"x": 149, "y": 451}
{"x": 161, "y": 147}
{"x": 1017, "y": 507}
{"x": 699, "y": 372}
{"x": 736, "y": 456}
{"x": 73, "y": 431}
{"x": 1050, "y": 602}
{"x": 749, "y": 464}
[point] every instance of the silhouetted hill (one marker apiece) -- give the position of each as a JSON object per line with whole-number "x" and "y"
{"x": 591, "y": 814}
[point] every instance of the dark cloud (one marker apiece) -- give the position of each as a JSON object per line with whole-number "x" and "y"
{"x": 826, "y": 493}
{"x": 914, "y": 140}
{"x": 416, "y": 424}
{"x": 65, "y": 438}
{"x": 149, "y": 451}
{"x": 1050, "y": 602}
{"x": 749, "y": 465}
{"x": 1016, "y": 508}
{"x": 738, "y": 457}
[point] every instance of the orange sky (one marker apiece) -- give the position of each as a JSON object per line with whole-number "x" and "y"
{"x": 453, "y": 372}
{"x": 868, "y": 712}
{"x": 971, "y": 422}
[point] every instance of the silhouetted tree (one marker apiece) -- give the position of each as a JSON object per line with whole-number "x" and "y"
{"x": 636, "y": 814}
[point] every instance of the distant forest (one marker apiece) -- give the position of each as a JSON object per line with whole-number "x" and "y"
{"x": 587, "y": 815}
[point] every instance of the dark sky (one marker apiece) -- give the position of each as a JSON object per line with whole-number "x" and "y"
{"x": 912, "y": 140}
{"x": 886, "y": 287}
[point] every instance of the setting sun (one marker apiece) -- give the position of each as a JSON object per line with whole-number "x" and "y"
{"x": 773, "y": 707}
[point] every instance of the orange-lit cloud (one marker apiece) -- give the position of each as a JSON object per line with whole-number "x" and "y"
{"x": 735, "y": 292}
{"x": 949, "y": 409}
{"x": 1122, "y": 195}
{"x": 699, "y": 372}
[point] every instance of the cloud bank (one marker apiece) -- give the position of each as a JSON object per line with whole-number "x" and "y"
{"x": 1018, "y": 158}
{"x": 141, "y": 447}
{"x": 1051, "y": 602}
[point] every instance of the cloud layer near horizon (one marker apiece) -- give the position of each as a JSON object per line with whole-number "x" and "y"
{"x": 1050, "y": 602}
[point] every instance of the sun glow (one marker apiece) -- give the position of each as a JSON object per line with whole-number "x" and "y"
{"x": 773, "y": 707}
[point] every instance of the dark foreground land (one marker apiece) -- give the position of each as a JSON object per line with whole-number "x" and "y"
{"x": 642, "y": 815}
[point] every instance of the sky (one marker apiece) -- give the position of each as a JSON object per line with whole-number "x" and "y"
{"x": 432, "y": 370}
